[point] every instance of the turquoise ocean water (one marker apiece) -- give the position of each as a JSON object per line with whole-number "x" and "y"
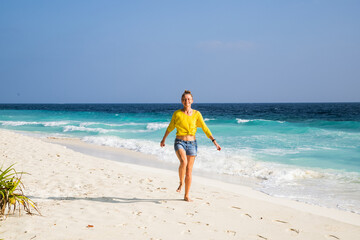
{"x": 308, "y": 152}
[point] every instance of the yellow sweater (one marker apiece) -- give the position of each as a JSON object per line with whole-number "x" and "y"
{"x": 187, "y": 125}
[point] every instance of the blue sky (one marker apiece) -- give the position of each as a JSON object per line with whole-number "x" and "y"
{"x": 150, "y": 51}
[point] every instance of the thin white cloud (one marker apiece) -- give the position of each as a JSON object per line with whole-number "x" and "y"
{"x": 215, "y": 44}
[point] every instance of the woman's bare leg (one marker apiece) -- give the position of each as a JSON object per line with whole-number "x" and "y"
{"x": 181, "y": 154}
{"x": 188, "y": 177}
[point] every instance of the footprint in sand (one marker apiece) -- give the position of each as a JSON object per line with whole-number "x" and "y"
{"x": 186, "y": 231}
{"x": 236, "y": 207}
{"x": 137, "y": 213}
{"x": 246, "y": 214}
{"x": 198, "y": 222}
{"x": 294, "y": 230}
{"x": 280, "y": 221}
{"x": 161, "y": 189}
{"x": 332, "y": 237}
{"x": 230, "y": 232}
{"x": 262, "y": 237}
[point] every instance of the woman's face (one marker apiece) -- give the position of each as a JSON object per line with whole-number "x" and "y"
{"x": 187, "y": 100}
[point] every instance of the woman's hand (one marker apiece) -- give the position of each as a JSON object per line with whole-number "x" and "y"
{"x": 217, "y": 145}
{"x": 162, "y": 143}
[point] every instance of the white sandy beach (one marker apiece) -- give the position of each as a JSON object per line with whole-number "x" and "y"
{"x": 123, "y": 201}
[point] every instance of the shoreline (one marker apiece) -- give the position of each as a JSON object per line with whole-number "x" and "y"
{"x": 138, "y": 158}
{"x": 74, "y": 190}
{"x": 149, "y": 160}
{"x": 230, "y": 183}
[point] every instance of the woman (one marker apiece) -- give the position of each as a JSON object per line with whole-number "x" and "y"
{"x": 186, "y": 121}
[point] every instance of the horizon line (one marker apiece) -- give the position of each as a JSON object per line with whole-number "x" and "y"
{"x": 180, "y": 102}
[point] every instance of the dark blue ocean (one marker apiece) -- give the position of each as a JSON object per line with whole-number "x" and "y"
{"x": 304, "y": 151}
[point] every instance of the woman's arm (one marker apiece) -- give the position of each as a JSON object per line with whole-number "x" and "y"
{"x": 201, "y": 123}
{"x": 162, "y": 143}
{"x": 168, "y": 130}
{"x": 214, "y": 141}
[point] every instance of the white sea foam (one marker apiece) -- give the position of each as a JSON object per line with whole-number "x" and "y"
{"x": 149, "y": 126}
{"x": 242, "y": 163}
{"x": 157, "y": 126}
{"x": 328, "y": 189}
{"x": 233, "y": 162}
{"x": 297, "y": 174}
{"x": 279, "y": 151}
{"x": 85, "y": 129}
{"x": 239, "y": 120}
{"x": 46, "y": 124}
{"x": 55, "y": 124}
{"x": 17, "y": 123}
{"x": 134, "y": 131}
{"x": 143, "y": 146}
{"x": 85, "y": 124}
{"x": 209, "y": 119}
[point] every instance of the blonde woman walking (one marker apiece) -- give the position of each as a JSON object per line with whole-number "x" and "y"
{"x": 186, "y": 121}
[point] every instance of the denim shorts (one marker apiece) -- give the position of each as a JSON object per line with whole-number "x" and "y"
{"x": 190, "y": 147}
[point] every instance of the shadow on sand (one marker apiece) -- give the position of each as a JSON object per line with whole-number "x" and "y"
{"x": 109, "y": 199}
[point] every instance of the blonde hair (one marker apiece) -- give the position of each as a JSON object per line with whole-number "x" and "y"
{"x": 186, "y": 92}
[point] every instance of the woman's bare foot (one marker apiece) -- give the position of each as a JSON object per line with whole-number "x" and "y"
{"x": 187, "y": 199}
{"x": 179, "y": 188}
